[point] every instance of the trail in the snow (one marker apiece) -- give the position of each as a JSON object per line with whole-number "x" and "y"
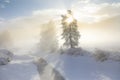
{"x": 47, "y": 72}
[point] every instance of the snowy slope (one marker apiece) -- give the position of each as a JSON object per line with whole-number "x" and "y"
{"x": 85, "y": 67}
{"x": 80, "y": 67}
{"x": 20, "y": 68}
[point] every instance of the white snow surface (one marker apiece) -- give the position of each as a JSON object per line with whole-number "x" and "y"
{"x": 85, "y": 67}
{"x": 20, "y": 68}
{"x": 78, "y": 67}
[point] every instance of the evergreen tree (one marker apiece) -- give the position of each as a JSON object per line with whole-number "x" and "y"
{"x": 70, "y": 32}
{"x": 48, "y": 40}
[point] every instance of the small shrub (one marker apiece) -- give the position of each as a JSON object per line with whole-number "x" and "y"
{"x": 5, "y": 56}
{"x": 73, "y": 51}
{"x": 100, "y": 55}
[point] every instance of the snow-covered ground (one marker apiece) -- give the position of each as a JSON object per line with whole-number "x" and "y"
{"x": 78, "y": 67}
{"x": 20, "y": 68}
{"x": 85, "y": 67}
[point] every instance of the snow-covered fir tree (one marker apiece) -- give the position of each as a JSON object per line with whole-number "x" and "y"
{"x": 48, "y": 41}
{"x": 70, "y": 32}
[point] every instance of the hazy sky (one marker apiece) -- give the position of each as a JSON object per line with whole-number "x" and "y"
{"x": 98, "y": 20}
{"x": 15, "y": 8}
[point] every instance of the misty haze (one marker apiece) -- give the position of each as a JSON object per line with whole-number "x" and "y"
{"x": 59, "y": 40}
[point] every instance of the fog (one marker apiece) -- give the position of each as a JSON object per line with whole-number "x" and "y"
{"x": 48, "y": 38}
{"x": 5, "y": 39}
{"x": 25, "y": 32}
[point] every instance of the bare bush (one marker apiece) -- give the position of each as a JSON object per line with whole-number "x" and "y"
{"x": 5, "y": 56}
{"x": 74, "y": 51}
{"x": 101, "y": 55}
{"x": 115, "y": 56}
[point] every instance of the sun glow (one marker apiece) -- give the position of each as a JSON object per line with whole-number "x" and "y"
{"x": 69, "y": 19}
{"x": 86, "y": 13}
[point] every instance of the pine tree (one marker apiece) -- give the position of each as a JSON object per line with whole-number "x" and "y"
{"x": 70, "y": 32}
{"x": 48, "y": 40}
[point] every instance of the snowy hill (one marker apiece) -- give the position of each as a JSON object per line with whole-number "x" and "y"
{"x": 85, "y": 67}
{"x": 70, "y": 67}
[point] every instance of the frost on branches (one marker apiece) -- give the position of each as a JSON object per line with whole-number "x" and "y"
{"x": 70, "y": 33}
